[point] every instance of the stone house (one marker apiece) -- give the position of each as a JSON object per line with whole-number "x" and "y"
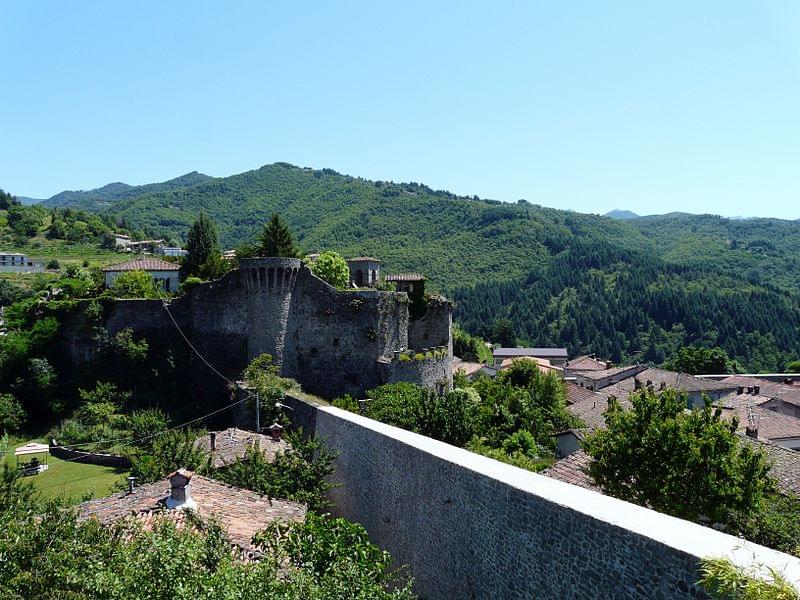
{"x": 166, "y": 274}
{"x": 241, "y": 512}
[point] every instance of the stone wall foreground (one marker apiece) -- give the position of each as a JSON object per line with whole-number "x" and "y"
{"x": 472, "y": 527}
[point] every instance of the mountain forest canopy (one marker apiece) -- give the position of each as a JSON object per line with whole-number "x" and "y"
{"x": 637, "y": 289}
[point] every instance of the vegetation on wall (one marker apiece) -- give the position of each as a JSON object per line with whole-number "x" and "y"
{"x": 331, "y": 268}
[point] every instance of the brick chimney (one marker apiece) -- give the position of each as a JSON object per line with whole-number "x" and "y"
{"x": 180, "y": 494}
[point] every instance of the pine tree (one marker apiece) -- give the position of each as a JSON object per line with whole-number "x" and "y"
{"x": 276, "y": 240}
{"x": 202, "y": 246}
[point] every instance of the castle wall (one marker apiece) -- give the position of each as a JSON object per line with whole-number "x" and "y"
{"x": 434, "y": 328}
{"x": 435, "y": 372}
{"x": 472, "y": 527}
{"x": 330, "y": 341}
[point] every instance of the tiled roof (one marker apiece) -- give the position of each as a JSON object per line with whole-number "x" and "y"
{"x": 671, "y": 379}
{"x": 573, "y": 469}
{"x": 543, "y": 364}
{"x": 468, "y": 368}
{"x": 144, "y": 264}
{"x": 788, "y": 393}
{"x": 591, "y": 408}
{"x": 785, "y": 464}
{"x": 363, "y": 259}
{"x": 586, "y": 363}
{"x": 576, "y": 393}
{"x": 596, "y": 375}
{"x": 771, "y": 425}
{"x": 241, "y": 512}
{"x": 540, "y": 352}
{"x": 405, "y": 277}
{"x": 232, "y": 443}
{"x": 785, "y": 467}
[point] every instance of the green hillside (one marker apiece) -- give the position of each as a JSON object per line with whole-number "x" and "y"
{"x": 101, "y": 198}
{"x": 633, "y": 289}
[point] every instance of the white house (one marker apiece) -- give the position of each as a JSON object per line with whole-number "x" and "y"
{"x": 165, "y": 273}
{"x": 15, "y": 262}
{"x": 171, "y": 251}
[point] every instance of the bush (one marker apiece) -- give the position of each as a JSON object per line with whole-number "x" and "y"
{"x": 53, "y": 264}
{"x": 331, "y": 268}
{"x": 135, "y": 284}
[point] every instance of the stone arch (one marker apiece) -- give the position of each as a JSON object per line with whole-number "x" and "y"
{"x": 262, "y": 278}
{"x": 359, "y": 277}
{"x": 270, "y": 278}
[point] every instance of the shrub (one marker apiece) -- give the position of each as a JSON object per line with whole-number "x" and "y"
{"x": 12, "y": 415}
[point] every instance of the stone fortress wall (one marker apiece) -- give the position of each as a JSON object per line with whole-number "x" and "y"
{"x": 332, "y": 342}
{"x": 472, "y": 527}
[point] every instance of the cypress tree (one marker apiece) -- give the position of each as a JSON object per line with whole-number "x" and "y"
{"x": 202, "y": 244}
{"x": 276, "y": 240}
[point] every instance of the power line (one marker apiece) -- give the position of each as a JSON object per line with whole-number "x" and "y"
{"x": 208, "y": 364}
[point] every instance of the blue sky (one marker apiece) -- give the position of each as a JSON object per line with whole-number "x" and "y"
{"x": 653, "y": 107}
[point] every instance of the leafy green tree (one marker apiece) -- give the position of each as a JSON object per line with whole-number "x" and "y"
{"x": 793, "y": 366}
{"x": 10, "y": 293}
{"x": 276, "y": 240}
{"x": 689, "y": 464}
{"x": 202, "y": 245}
{"x": 300, "y": 473}
{"x": 470, "y": 348}
{"x": 12, "y": 415}
{"x": 135, "y": 284}
{"x": 332, "y": 268}
{"x": 166, "y": 453}
{"x": 700, "y": 361}
{"x": 7, "y": 200}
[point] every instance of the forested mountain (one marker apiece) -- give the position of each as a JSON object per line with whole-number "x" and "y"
{"x": 621, "y": 214}
{"x": 101, "y": 198}
{"x": 625, "y": 289}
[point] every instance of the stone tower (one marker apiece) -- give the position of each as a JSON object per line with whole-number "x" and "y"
{"x": 269, "y": 283}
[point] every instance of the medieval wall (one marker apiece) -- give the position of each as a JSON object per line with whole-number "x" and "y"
{"x": 434, "y": 327}
{"x": 330, "y": 341}
{"x": 472, "y": 527}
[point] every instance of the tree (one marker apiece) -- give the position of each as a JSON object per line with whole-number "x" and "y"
{"x": 12, "y": 415}
{"x": 332, "y": 268}
{"x": 135, "y": 284}
{"x": 276, "y": 240}
{"x": 700, "y": 361}
{"x": 7, "y": 200}
{"x": 689, "y": 464}
{"x": 793, "y": 366}
{"x": 202, "y": 246}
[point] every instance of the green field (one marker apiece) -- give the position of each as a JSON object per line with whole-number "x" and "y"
{"x": 70, "y": 481}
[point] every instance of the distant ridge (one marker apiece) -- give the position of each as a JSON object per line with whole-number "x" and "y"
{"x": 622, "y": 215}
{"x": 104, "y": 197}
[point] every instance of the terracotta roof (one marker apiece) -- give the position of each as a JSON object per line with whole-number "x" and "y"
{"x": 364, "y": 258}
{"x": 144, "y": 264}
{"x": 573, "y": 469}
{"x": 241, "y": 512}
{"x": 540, "y": 352}
{"x": 586, "y": 363}
{"x": 232, "y": 443}
{"x": 405, "y": 277}
{"x": 543, "y": 364}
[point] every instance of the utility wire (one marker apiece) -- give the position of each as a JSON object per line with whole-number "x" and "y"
{"x": 208, "y": 364}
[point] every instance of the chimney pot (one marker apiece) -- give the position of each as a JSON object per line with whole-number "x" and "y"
{"x": 131, "y": 481}
{"x": 276, "y": 431}
{"x": 740, "y": 389}
{"x": 213, "y": 440}
{"x": 637, "y": 383}
{"x": 751, "y": 431}
{"x": 663, "y": 385}
{"x": 756, "y": 390}
{"x": 180, "y": 494}
{"x": 749, "y": 389}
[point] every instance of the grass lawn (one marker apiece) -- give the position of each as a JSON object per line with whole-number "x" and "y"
{"x": 70, "y": 480}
